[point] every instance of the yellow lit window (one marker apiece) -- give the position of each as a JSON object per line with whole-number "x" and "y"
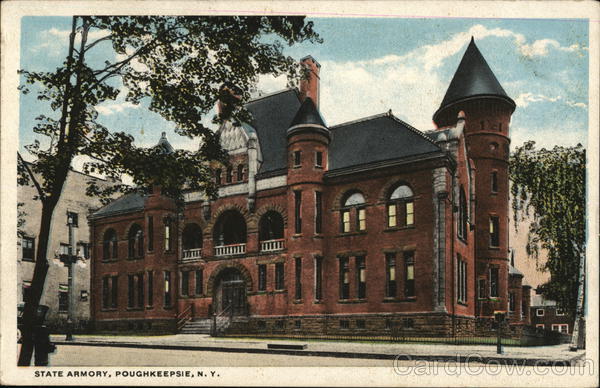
{"x": 410, "y": 213}
{"x": 362, "y": 219}
{"x": 346, "y": 221}
{"x": 392, "y": 221}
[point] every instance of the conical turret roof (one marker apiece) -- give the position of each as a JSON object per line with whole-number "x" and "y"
{"x": 473, "y": 78}
{"x": 308, "y": 114}
{"x": 164, "y": 144}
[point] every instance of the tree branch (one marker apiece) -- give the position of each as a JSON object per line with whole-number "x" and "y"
{"x": 33, "y": 178}
{"x": 89, "y": 46}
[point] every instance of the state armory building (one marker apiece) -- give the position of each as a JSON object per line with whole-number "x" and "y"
{"x": 355, "y": 228}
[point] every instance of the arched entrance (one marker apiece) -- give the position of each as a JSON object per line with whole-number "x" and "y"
{"x": 230, "y": 290}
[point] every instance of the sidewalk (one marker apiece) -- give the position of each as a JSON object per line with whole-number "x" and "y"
{"x": 542, "y": 355}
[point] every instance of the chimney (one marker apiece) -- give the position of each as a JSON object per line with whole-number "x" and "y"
{"x": 228, "y": 92}
{"x": 310, "y": 87}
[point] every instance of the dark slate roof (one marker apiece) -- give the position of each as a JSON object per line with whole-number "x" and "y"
{"x": 125, "y": 204}
{"x": 272, "y": 116}
{"x": 376, "y": 139}
{"x": 473, "y": 78}
{"x": 514, "y": 271}
{"x": 308, "y": 114}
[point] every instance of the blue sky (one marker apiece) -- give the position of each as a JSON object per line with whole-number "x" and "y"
{"x": 370, "y": 65}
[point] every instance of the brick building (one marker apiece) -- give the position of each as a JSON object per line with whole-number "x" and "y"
{"x": 353, "y": 228}
{"x": 546, "y": 315}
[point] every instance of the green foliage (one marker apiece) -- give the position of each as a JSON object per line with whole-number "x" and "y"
{"x": 181, "y": 66}
{"x": 551, "y": 185}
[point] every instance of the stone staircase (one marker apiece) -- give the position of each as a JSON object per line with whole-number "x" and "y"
{"x": 197, "y": 326}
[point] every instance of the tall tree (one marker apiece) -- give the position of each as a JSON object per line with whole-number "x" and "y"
{"x": 181, "y": 66}
{"x": 551, "y": 185}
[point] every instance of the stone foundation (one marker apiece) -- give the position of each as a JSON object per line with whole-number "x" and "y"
{"x": 401, "y": 325}
{"x": 135, "y": 326}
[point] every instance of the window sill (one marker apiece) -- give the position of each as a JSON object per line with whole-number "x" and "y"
{"x": 463, "y": 240}
{"x": 351, "y": 301}
{"x": 319, "y": 301}
{"x": 108, "y": 310}
{"x": 297, "y": 301}
{"x": 494, "y": 248}
{"x": 168, "y": 307}
{"x": 149, "y": 307}
{"x": 135, "y": 258}
{"x": 109, "y": 261}
{"x": 134, "y": 309}
{"x": 28, "y": 260}
{"x": 355, "y": 233}
{"x": 396, "y": 228}
{"x": 282, "y": 291}
{"x": 398, "y": 300}
{"x": 462, "y": 303}
{"x": 319, "y": 236}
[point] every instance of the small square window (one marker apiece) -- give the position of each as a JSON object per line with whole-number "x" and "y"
{"x": 297, "y": 323}
{"x": 344, "y": 324}
{"x": 319, "y": 159}
{"x": 539, "y": 312}
{"x": 72, "y": 219}
{"x": 360, "y": 324}
{"x": 297, "y": 158}
{"x": 28, "y": 249}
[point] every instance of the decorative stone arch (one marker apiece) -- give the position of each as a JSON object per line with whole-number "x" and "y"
{"x": 341, "y": 194}
{"x": 251, "y": 221}
{"x": 222, "y": 267}
{"x": 388, "y": 188}
{"x": 103, "y": 231}
{"x": 272, "y": 207}
{"x": 140, "y": 223}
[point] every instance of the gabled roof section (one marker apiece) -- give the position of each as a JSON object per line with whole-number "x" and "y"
{"x": 308, "y": 114}
{"x": 126, "y": 204}
{"x": 375, "y": 139}
{"x": 473, "y": 78}
{"x": 272, "y": 115}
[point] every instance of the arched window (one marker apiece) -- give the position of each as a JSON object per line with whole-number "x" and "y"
{"x": 401, "y": 207}
{"x": 229, "y": 176}
{"x": 352, "y": 201}
{"x": 109, "y": 245}
{"x": 230, "y": 229}
{"x": 191, "y": 237}
{"x": 462, "y": 214}
{"x": 136, "y": 242}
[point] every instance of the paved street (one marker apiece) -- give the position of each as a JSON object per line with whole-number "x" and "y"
{"x": 112, "y": 356}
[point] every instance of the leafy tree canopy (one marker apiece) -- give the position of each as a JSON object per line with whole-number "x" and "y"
{"x": 182, "y": 66}
{"x": 551, "y": 185}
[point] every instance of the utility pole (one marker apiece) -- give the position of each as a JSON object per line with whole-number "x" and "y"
{"x": 69, "y": 260}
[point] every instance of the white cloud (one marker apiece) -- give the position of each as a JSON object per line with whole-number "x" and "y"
{"x": 118, "y": 107}
{"x": 524, "y": 99}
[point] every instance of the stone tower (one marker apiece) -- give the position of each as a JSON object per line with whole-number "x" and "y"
{"x": 487, "y": 108}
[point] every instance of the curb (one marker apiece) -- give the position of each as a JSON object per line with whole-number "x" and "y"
{"x": 323, "y": 353}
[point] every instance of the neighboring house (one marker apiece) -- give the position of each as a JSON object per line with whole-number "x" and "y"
{"x": 356, "y": 228}
{"x": 73, "y": 201}
{"x": 546, "y": 315}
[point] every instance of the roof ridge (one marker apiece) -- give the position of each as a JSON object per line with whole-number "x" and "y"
{"x": 256, "y": 99}
{"x": 360, "y": 120}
